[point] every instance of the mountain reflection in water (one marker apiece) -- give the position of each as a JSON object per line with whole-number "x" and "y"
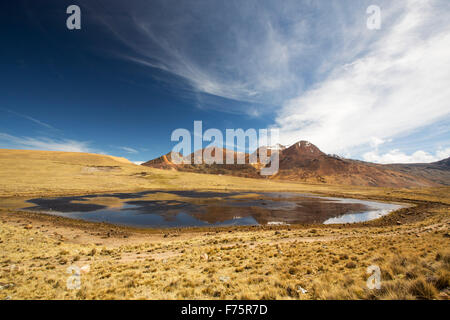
{"x": 159, "y": 208}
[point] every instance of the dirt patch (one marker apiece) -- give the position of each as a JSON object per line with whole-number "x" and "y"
{"x": 101, "y": 169}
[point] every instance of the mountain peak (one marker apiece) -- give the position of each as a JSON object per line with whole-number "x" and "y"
{"x": 303, "y": 161}
{"x": 305, "y": 148}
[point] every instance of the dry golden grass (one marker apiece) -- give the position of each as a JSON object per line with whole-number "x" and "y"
{"x": 330, "y": 262}
{"x": 25, "y": 173}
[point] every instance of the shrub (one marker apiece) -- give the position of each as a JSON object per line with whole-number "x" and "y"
{"x": 422, "y": 289}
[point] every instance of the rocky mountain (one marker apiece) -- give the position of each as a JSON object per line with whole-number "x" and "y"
{"x": 305, "y": 162}
{"x": 241, "y": 170}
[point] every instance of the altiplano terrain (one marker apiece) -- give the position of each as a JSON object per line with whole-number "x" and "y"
{"x": 410, "y": 246}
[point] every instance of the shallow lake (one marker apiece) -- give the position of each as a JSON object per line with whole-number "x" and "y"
{"x": 157, "y": 209}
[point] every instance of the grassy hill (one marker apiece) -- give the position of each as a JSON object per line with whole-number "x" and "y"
{"x": 45, "y": 173}
{"x": 268, "y": 262}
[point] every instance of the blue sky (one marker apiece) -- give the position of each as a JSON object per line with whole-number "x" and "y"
{"x": 137, "y": 70}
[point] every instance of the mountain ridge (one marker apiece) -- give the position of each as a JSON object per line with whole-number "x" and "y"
{"x": 305, "y": 162}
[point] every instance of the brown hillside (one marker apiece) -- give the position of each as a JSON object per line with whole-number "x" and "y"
{"x": 437, "y": 171}
{"x": 241, "y": 170}
{"x": 304, "y": 162}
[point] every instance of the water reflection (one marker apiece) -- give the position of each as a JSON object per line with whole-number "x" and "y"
{"x": 157, "y": 208}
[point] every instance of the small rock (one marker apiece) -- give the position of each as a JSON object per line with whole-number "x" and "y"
{"x": 85, "y": 269}
{"x": 6, "y": 285}
{"x": 224, "y": 278}
{"x": 28, "y": 227}
{"x": 205, "y": 256}
{"x": 302, "y": 290}
{"x": 399, "y": 222}
{"x": 13, "y": 268}
{"x": 277, "y": 233}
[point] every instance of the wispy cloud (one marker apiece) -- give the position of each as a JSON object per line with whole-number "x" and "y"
{"x": 41, "y": 123}
{"x": 314, "y": 64}
{"x": 398, "y": 85}
{"x": 128, "y": 149}
{"x": 13, "y": 142}
{"x": 258, "y": 52}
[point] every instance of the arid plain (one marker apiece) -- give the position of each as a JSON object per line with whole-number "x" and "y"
{"x": 410, "y": 246}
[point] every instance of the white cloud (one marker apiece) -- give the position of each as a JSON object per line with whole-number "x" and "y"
{"x": 9, "y": 141}
{"x": 258, "y": 52}
{"x": 396, "y": 156}
{"x": 443, "y": 153}
{"x": 41, "y": 123}
{"x": 336, "y": 83}
{"x": 128, "y": 149}
{"x": 245, "y": 75}
{"x": 399, "y": 85}
{"x": 375, "y": 142}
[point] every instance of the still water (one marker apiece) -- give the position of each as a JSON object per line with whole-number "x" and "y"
{"x": 157, "y": 209}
